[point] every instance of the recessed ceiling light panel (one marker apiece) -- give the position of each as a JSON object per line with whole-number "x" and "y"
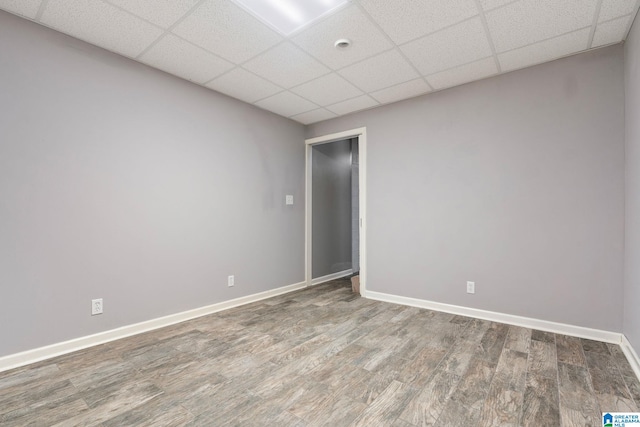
{"x": 287, "y": 16}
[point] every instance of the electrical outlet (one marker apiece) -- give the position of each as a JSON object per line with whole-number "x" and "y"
{"x": 230, "y": 281}
{"x": 471, "y": 287}
{"x": 96, "y": 306}
{"x": 289, "y": 199}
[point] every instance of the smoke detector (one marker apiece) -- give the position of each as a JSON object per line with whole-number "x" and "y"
{"x": 342, "y": 44}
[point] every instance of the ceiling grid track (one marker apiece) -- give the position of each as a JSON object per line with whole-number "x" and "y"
{"x": 594, "y": 25}
{"x": 168, "y": 31}
{"x": 397, "y": 48}
{"x": 483, "y": 18}
{"x": 634, "y": 16}
{"x": 41, "y": 9}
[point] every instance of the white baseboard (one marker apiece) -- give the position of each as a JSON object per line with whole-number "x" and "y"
{"x": 527, "y": 322}
{"x": 31, "y": 356}
{"x": 631, "y": 354}
{"x": 330, "y": 277}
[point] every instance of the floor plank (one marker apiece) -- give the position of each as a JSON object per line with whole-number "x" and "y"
{"x": 518, "y": 339}
{"x": 425, "y": 408}
{"x": 578, "y": 405}
{"x": 465, "y": 404}
{"x": 506, "y": 393}
{"x": 540, "y": 406}
{"x": 570, "y": 350}
{"x": 543, "y": 359}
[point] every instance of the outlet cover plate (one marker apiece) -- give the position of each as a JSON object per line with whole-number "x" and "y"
{"x": 471, "y": 287}
{"x": 96, "y": 306}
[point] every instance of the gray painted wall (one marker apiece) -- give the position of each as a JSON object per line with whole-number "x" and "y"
{"x": 331, "y": 204}
{"x": 514, "y": 182}
{"x": 121, "y": 182}
{"x": 631, "y": 326}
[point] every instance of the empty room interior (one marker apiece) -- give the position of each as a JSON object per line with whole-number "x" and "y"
{"x": 319, "y": 212}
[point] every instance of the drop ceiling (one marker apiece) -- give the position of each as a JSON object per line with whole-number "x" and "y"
{"x": 400, "y": 48}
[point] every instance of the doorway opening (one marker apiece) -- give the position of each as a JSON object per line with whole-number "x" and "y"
{"x": 335, "y": 207}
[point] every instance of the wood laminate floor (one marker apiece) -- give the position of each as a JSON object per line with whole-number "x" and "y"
{"x": 322, "y": 356}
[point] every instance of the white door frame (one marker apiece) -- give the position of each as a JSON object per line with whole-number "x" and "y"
{"x": 361, "y": 134}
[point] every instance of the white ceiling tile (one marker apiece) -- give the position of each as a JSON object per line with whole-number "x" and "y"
{"x": 101, "y": 24}
{"x": 611, "y": 31}
{"x": 26, "y": 8}
{"x": 460, "y": 44}
{"x": 176, "y": 56}
{"x": 286, "y": 65}
{"x": 545, "y": 51}
{"x": 327, "y": 90}
{"x": 227, "y": 30}
{"x": 410, "y": 19}
{"x": 384, "y": 70}
{"x": 530, "y": 21}
{"x": 402, "y": 91}
{"x": 616, "y": 8}
{"x": 286, "y": 104}
{"x": 351, "y": 23}
{"x": 244, "y": 85}
{"x": 492, "y": 4}
{"x": 463, "y": 74}
{"x": 360, "y": 103}
{"x": 313, "y": 116}
{"x": 161, "y": 12}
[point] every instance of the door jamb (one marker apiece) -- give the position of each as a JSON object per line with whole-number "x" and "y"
{"x": 361, "y": 134}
